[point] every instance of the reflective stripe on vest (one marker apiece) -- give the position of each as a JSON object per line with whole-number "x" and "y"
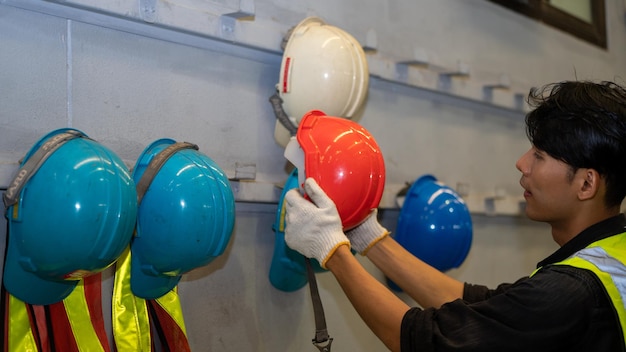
{"x": 131, "y": 325}
{"x": 169, "y": 316}
{"x": 606, "y": 258}
{"x": 133, "y": 315}
{"x": 74, "y": 325}
{"x": 77, "y": 323}
{"x": 19, "y": 334}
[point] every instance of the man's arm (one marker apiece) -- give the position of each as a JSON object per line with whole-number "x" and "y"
{"x": 314, "y": 229}
{"x": 379, "y": 308}
{"x": 425, "y": 284}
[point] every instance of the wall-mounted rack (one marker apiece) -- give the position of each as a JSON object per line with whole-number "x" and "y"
{"x": 237, "y": 30}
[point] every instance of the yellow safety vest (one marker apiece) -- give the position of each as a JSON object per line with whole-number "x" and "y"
{"x": 606, "y": 258}
{"x": 76, "y": 323}
{"x": 132, "y": 315}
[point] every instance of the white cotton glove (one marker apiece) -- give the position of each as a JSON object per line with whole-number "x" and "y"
{"x": 367, "y": 234}
{"x": 313, "y": 228}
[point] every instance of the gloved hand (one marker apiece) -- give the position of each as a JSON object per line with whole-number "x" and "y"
{"x": 367, "y": 234}
{"x": 313, "y": 228}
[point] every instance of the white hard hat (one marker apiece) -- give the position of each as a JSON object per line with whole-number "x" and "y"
{"x": 323, "y": 68}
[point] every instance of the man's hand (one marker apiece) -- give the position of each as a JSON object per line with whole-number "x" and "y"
{"x": 313, "y": 228}
{"x": 367, "y": 234}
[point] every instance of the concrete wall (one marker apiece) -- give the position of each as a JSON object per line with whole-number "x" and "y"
{"x": 194, "y": 74}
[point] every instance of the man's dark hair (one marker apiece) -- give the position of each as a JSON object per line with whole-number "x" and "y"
{"x": 583, "y": 124}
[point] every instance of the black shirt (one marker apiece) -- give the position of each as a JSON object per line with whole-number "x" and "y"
{"x": 561, "y": 308}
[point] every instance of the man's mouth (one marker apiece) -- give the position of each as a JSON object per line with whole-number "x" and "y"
{"x": 527, "y": 193}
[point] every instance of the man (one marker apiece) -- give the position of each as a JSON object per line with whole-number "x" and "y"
{"x": 574, "y": 179}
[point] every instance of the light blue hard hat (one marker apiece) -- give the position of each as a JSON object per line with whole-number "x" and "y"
{"x": 185, "y": 219}
{"x": 435, "y": 224}
{"x": 71, "y": 211}
{"x": 288, "y": 268}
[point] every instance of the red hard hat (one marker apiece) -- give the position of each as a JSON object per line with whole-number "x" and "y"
{"x": 346, "y": 162}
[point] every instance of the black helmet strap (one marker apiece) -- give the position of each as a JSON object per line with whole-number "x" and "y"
{"x": 33, "y": 164}
{"x": 155, "y": 165}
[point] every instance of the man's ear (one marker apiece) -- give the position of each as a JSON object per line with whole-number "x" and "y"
{"x": 590, "y": 183}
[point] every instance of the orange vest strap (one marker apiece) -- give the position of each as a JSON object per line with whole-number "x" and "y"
{"x": 93, "y": 295}
{"x": 61, "y": 329}
{"x": 40, "y": 325}
{"x": 170, "y": 332}
{"x": 77, "y": 322}
{"x": 89, "y": 311}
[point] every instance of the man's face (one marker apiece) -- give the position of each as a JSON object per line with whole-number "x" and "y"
{"x": 548, "y": 188}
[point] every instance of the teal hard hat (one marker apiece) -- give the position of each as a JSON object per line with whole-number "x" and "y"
{"x": 288, "y": 268}
{"x": 185, "y": 219}
{"x": 71, "y": 210}
{"x": 435, "y": 224}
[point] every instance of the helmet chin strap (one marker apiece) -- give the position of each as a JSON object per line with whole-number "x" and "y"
{"x": 281, "y": 115}
{"x": 295, "y": 155}
{"x": 321, "y": 340}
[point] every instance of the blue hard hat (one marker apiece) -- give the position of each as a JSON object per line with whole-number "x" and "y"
{"x": 288, "y": 269}
{"x": 71, "y": 211}
{"x": 435, "y": 224}
{"x": 185, "y": 219}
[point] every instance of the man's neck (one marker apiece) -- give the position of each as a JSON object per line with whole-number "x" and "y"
{"x": 564, "y": 231}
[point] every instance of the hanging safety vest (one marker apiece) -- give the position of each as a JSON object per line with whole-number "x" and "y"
{"x": 73, "y": 325}
{"x": 76, "y": 324}
{"x": 606, "y": 258}
{"x": 132, "y": 316}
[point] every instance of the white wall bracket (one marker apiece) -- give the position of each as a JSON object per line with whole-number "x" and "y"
{"x": 246, "y": 11}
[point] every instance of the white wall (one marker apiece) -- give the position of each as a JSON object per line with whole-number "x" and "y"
{"x": 126, "y": 83}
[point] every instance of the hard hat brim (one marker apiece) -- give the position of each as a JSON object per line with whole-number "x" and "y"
{"x": 28, "y": 286}
{"x": 148, "y": 286}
